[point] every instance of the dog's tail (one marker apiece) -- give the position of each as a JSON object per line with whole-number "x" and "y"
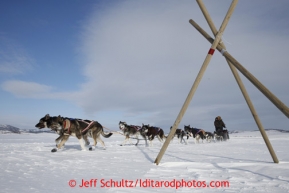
{"x": 102, "y": 132}
{"x": 106, "y": 135}
{"x": 161, "y": 134}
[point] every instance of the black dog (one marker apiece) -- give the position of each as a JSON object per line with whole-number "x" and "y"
{"x": 180, "y": 135}
{"x": 152, "y": 132}
{"x": 196, "y": 133}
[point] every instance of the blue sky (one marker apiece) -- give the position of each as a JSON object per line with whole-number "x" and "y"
{"x": 135, "y": 61}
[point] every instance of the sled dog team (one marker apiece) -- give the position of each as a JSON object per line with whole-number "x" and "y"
{"x": 82, "y": 129}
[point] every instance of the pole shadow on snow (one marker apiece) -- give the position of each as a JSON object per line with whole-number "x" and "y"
{"x": 157, "y": 151}
{"x": 145, "y": 154}
{"x": 235, "y": 159}
{"x": 216, "y": 165}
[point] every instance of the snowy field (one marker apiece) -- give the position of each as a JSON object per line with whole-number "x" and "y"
{"x": 242, "y": 164}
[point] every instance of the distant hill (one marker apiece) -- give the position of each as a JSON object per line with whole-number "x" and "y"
{"x": 280, "y": 130}
{"x": 11, "y": 129}
{"x": 37, "y": 131}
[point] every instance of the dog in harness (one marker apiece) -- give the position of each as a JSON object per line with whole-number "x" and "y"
{"x": 79, "y": 128}
{"x": 196, "y": 133}
{"x": 210, "y": 136}
{"x": 54, "y": 123}
{"x": 131, "y": 130}
{"x": 151, "y": 132}
{"x": 180, "y": 133}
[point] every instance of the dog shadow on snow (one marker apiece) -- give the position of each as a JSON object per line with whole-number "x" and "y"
{"x": 72, "y": 147}
{"x": 66, "y": 147}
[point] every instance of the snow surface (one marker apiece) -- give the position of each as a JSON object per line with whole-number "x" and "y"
{"x": 27, "y": 165}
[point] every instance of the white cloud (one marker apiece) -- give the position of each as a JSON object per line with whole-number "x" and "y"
{"x": 27, "y": 89}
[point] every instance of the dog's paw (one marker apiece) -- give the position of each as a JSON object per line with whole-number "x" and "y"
{"x": 54, "y": 150}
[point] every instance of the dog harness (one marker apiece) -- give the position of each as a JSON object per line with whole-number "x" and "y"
{"x": 157, "y": 129}
{"x": 88, "y": 124}
{"x": 67, "y": 125}
{"x": 136, "y": 127}
{"x": 198, "y": 130}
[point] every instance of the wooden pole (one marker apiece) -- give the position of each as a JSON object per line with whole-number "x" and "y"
{"x": 281, "y": 106}
{"x": 197, "y": 81}
{"x": 241, "y": 85}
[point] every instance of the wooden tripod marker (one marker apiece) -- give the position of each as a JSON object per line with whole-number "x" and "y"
{"x": 197, "y": 81}
{"x": 281, "y": 106}
{"x": 241, "y": 85}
